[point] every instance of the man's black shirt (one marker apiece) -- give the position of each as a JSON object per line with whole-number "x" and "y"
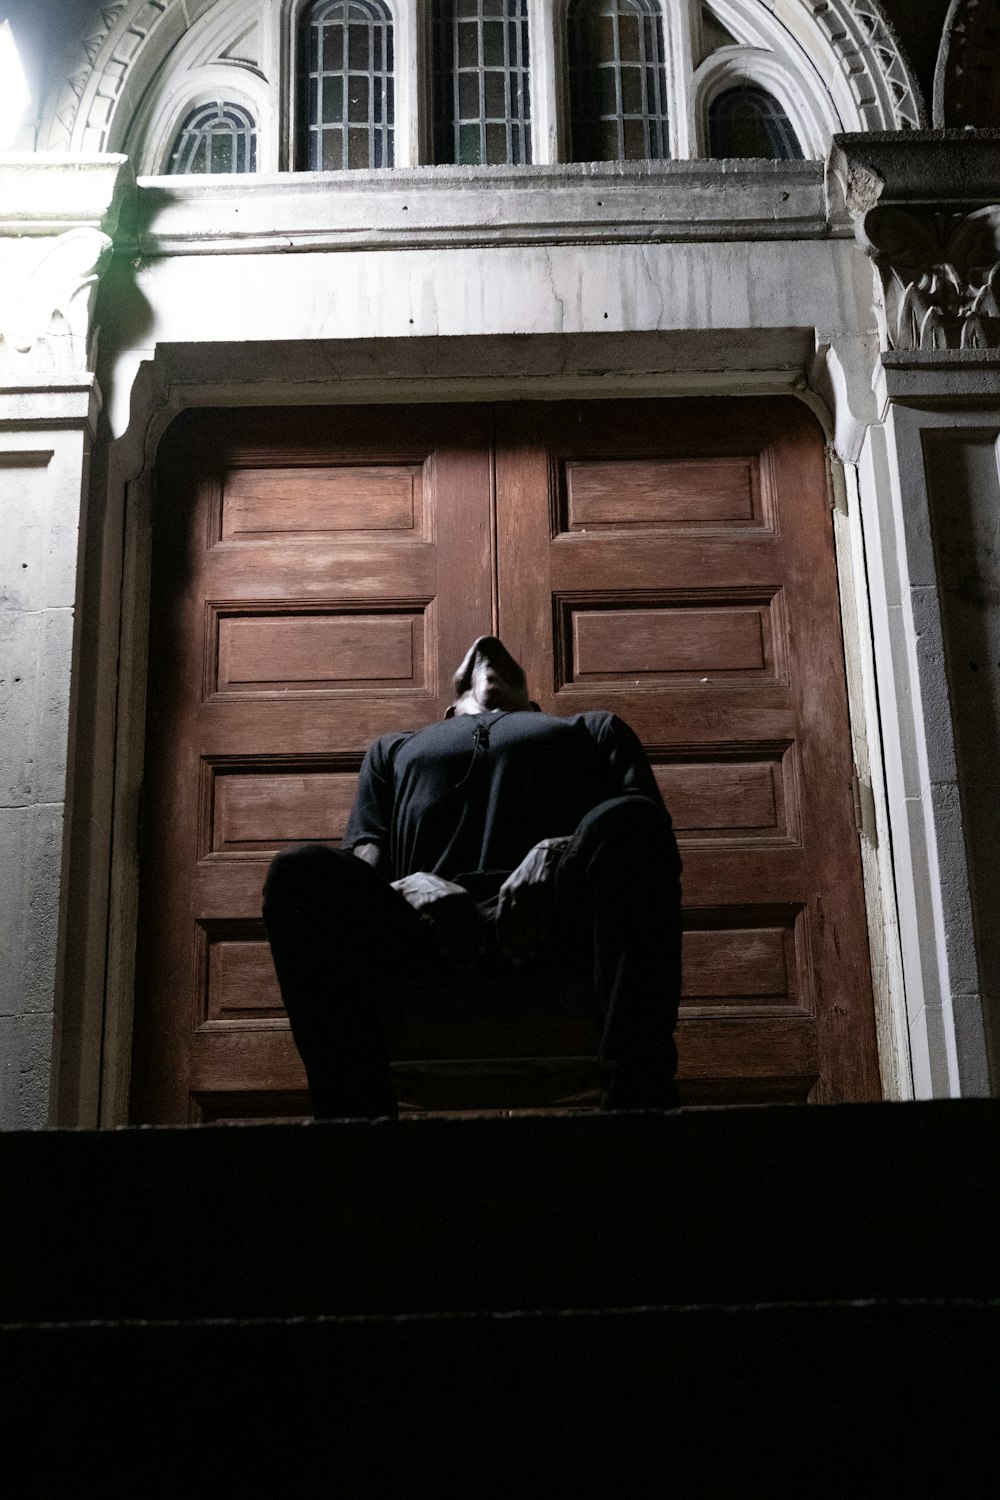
{"x": 474, "y": 793}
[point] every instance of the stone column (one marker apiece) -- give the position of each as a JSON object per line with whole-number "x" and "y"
{"x": 57, "y": 217}
{"x": 926, "y": 210}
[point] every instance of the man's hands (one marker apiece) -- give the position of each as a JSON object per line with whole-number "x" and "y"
{"x": 524, "y": 911}
{"x": 451, "y": 912}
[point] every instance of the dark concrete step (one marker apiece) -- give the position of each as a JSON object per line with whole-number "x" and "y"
{"x": 883, "y": 1398}
{"x": 741, "y": 1206}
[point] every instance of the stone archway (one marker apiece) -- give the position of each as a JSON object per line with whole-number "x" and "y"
{"x": 92, "y": 108}
{"x": 967, "y": 81}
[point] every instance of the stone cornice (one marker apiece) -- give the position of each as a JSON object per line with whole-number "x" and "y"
{"x": 431, "y": 207}
{"x": 57, "y": 218}
{"x": 53, "y": 191}
{"x": 926, "y": 209}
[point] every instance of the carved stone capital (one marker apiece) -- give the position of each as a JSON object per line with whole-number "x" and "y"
{"x": 940, "y": 276}
{"x": 926, "y": 211}
{"x": 47, "y": 288}
{"x": 55, "y": 240}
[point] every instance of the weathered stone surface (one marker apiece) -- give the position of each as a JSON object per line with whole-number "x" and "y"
{"x": 927, "y": 212}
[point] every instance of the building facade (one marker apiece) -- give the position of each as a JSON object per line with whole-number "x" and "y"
{"x": 662, "y": 337}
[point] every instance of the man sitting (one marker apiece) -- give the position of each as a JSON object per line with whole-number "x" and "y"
{"x": 497, "y": 839}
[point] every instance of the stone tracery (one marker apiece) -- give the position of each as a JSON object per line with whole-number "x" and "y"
{"x": 132, "y": 38}
{"x": 967, "y": 81}
{"x": 940, "y": 275}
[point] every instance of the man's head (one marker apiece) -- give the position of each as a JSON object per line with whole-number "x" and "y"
{"x": 488, "y": 679}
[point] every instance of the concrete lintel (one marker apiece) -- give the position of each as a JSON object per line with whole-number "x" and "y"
{"x": 955, "y": 167}
{"x": 52, "y": 192}
{"x": 75, "y": 403}
{"x": 401, "y": 208}
{"x": 970, "y": 377}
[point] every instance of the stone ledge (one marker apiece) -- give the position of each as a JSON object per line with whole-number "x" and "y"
{"x": 46, "y": 193}
{"x": 917, "y": 166}
{"x": 470, "y": 206}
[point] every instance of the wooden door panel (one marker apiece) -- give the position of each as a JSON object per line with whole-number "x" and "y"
{"x": 682, "y": 564}
{"x": 263, "y": 807}
{"x": 320, "y": 651}
{"x": 657, "y": 494}
{"x": 317, "y": 575}
{"x": 343, "y": 500}
{"x": 730, "y": 799}
{"x": 666, "y": 639}
{"x": 682, "y": 574}
{"x": 321, "y": 571}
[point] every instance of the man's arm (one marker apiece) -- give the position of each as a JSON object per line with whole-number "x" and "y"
{"x": 524, "y": 910}
{"x": 370, "y": 853}
{"x": 629, "y": 770}
{"x": 450, "y": 912}
{"x": 448, "y": 909}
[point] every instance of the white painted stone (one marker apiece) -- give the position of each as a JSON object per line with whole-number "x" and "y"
{"x": 970, "y": 1043}
{"x": 930, "y": 1045}
{"x": 934, "y": 747}
{"x": 944, "y": 806}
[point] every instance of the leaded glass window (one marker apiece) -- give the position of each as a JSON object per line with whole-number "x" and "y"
{"x": 482, "y": 103}
{"x": 748, "y": 121}
{"x": 216, "y": 137}
{"x": 346, "y": 103}
{"x": 617, "y": 81}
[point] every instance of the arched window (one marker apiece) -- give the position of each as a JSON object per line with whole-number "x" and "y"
{"x": 215, "y": 137}
{"x": 482, "y": 104}
{"x": 748, "y": 121}
{"x": 346, "y": 104}
{"x": 617, "y": 81}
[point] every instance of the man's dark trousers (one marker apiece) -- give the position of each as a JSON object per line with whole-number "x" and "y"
{"x": 338, "y": 931}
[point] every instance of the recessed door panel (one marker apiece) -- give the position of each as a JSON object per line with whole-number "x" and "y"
{"x": 317, "y": 576}
{"x": 682, "y": 574}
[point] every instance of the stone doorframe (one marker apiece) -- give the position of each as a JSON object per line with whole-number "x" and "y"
{"x": 76, "y": 941}
{"x": 94, "y": 1088}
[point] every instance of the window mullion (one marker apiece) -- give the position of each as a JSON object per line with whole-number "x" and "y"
{"x": 548, "y": 75}
{"x": 682, "y": 32}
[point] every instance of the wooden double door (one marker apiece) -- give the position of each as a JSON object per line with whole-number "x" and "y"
{"x": 318, "y": 574}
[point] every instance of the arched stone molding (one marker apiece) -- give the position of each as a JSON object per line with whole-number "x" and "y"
{"x": 967, "y": 78}
{"x": 808, "y": 106}
{"x": 866, "y": 51}
{"x": 118, "y": 59}
{"x": 223, "y": 56}
{"x": 150, "y": 142}
{"x": 847, "y": 45}
{"x": 841, "y": 51}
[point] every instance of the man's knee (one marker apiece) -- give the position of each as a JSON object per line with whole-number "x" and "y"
{"x": 632, "y": 830}
{"x": 308, "y": 869}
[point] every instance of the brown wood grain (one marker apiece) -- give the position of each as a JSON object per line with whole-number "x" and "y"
{"x": 269, "y": 809}
{"x": 694, "y": 593}
{"x": 710, "y": 640}
{"x": 325, "y": 640}
{"x": 716, "y": 798}
{"x": 659, "y": 492}
{"x": 266, "y": 652}
{"x": 635, "y": 642}
{"x": 261, "y": 503}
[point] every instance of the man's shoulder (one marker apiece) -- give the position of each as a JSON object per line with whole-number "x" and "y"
{"x": 597, "y": 723}
{"x": 600, "y": 723}
{"x": 385, "y": 746}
